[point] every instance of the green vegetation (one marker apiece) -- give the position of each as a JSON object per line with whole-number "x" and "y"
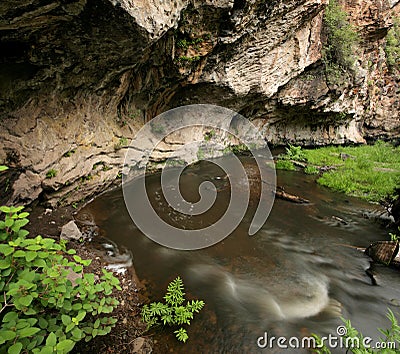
{"x": 184, "y": 58}
{"x": 157, "y": 128}
{"x": 69, "y": 153}
{"x": 200, "y": 153}
{"x": 236, "y": 149}
{"x": 294, "y": 153}
{"x": 355, "y": 343}
{"x": 394, "y": 237}
{"x": 311, "y": 170}
{"x": 121, "y": 143}
{"x": 285, "y": 165}
{"x": 42, "y": 309}
{"x": 392, "y": 48}
{"x": 185, "y": 44}
{"x": 209, "y": 135}
{"x": 51, "y": 173}
{"x": 173, "y": 312}
{"x": 338, "y": 52}
{"x": 3, "y": 168}
{"x": 371, "y": 172}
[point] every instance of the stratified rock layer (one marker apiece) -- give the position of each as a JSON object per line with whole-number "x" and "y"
{"x": 79, "y": 77}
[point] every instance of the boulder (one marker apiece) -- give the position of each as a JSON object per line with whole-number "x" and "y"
{"x": 70, "y": 232}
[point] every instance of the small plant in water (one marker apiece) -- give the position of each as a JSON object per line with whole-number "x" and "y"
{"x": 173, "y": 312}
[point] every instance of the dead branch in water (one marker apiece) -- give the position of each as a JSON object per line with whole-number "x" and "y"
{"x": 281, "y": 194}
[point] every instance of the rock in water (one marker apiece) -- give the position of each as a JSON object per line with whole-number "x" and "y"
{"x": 70, "y": 232}
{"x": 383, "y": 251}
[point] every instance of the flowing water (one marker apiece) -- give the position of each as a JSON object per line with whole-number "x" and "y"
{"x": 295, "y": 277}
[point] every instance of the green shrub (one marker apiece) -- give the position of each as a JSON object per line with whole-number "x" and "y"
{"x": 42, "y": 309}
{"x": 51, "y": 173}
{"x": 294, "y": 153}
{"x": 173, "y": 312}
{"x": 338, "y": 52}
{"x": 285, "y": 165}
{"x": 392, "y": 48}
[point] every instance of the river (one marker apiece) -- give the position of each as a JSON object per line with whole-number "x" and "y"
{"x": 294, "y": 277}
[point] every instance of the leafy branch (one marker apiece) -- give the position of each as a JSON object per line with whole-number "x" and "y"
{"x": 173, "y": 312}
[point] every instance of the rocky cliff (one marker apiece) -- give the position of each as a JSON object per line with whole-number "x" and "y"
{"x": 79, "y": 77}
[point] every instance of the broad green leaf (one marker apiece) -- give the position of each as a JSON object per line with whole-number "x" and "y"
{"x": 9, "y": 222}
{"x": 30, "y": 256}
{"x": 65, "y": 345}
{"x": 66, "y": 320}
{"x": 7, "y": 335}
{"x": 77, "y": 333}
{"x": 34, "y": 247}
{"x": 51, "y": 339}
{"x": 19, "y": 253}
{"x": 26, "y": 300}
{"x": 15, "y": 348}
{"x": 5, "y": 263}
{"x": 3, "y": 168}
{"x": 47, "y": 350}
{"x": 5, "y": 209}
{"x": 27, "y": 275}
{"x": 27, "y": 332}
{"x": 96, "y": 324}
{"x": 23, "y": 215}
{"x": 18, "y": 224}
{"x": 77, "y": 306}
{"x": 43, "y": 323}
{"x": 23, "y": 233}
{"x": 10, "y": 316}
{"x": 38, "y": 262}
{"x": 6, "y": 249}
{"x": 69, "y": 327}
{"x": 81, "y": 315}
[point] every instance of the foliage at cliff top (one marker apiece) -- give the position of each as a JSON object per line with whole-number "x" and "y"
{"x": 342, "y": 38}
{"x": 371, "y": 172}
{"x": 392, "y": 48}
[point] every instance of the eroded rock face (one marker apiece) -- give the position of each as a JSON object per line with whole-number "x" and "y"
{"x": 79, "y": 77}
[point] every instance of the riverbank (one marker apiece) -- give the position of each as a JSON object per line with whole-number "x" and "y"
{"x": 369, "y": 172}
